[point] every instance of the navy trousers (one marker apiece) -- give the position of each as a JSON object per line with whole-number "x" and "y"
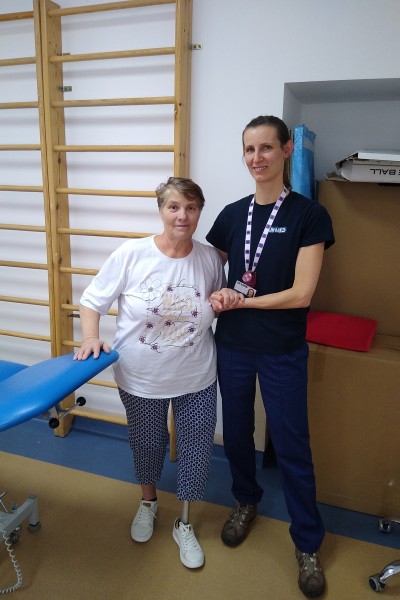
{"x": 283, "y": 384}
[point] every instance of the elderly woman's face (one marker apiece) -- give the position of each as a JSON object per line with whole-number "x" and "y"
{"x": 179, "y": 216}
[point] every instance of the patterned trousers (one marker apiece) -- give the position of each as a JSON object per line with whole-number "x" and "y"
{"x": 195, "y": 417}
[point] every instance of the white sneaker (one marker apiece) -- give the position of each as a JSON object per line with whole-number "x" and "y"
{"x": 191, "y": 554}
{"x": 143, "y": 523}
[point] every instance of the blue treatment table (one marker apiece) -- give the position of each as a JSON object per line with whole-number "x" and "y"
{"x": 27, "y": 392}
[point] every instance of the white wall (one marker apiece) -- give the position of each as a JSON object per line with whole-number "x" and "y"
{"x": 250, "y": 50}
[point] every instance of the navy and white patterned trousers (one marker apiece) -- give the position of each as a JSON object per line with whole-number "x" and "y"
{"x": 195, "y": 417}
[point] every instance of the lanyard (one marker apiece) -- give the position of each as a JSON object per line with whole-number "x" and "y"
{"x": 264, "y": 234}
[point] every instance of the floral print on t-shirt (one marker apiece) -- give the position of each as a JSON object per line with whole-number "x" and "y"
{"x": 173, "y": 315}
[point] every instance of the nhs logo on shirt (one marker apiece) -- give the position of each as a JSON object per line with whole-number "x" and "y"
{"x": 278, "y": 230}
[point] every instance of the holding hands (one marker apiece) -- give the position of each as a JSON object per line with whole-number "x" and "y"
{"x": 226, "y": 299}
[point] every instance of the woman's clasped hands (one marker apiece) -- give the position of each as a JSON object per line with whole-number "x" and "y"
{"x": 226, "y": 299}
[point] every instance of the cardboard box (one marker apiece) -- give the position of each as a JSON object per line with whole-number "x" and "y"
{"x": 354, "y": 398}
{"x": 354, "y": 413}
{"x": 375, "y": 166}
{"x": 361, "y": 272}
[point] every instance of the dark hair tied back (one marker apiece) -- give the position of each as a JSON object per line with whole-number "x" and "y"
{"x": 282, "y": 133}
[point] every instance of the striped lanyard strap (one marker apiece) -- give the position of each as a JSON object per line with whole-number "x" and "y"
{"x": 264, "y": 234}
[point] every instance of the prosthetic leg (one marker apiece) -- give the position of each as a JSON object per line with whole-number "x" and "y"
{"x": 191, "y": 554}
{"x": 185, "y": 512}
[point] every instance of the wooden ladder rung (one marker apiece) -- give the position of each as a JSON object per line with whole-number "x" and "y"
{"x": 98, "y": 416}
{"x": 13, "y": 147}
{"x": 17, "y": 227}
{"x": 8, "y": 62}
{"x": 112, "y": 148}
{"x": 93, "y": 192}
{"x": 26, "y": 336}
{"x": 67, "y": 58}
{"x": 17, "y": 16}
{"x": 16, "y": 105}
{"x": 32, "y": 301}
{"x": 102, "y": 233}
{"x": 21, "y": 188}
{"x": 23, "y": 265}
{"x": 149, "y": 101}
{"x": 79, "y": 10}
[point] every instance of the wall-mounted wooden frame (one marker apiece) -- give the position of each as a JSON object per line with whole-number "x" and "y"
{"x": 52, "y": 105}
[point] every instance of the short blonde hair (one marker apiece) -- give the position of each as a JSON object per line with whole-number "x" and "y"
{"x": 185, "y": 186}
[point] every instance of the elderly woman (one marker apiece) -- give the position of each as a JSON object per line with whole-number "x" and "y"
{"x": 167, "y": 352}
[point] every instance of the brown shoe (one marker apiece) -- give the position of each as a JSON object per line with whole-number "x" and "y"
{"x": 311, "y": 576}
{"x": 235, "y": 529}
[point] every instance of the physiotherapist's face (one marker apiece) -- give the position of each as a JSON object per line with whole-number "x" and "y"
{"x": 263, "y": 153}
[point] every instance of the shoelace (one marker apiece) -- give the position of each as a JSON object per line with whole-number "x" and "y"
{"x": 238, "y": 514}
{"x": 309, "y": 562}
{"x": 145, "y": 516}
{"x": 188, "y": 538}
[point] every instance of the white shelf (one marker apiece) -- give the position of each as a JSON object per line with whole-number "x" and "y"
{"x": 346, "y": 115}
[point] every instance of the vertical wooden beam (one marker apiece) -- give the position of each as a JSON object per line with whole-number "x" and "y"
{"x": 183, "y": 40}
{"x": 43, "y": 151}
{"x": 56, "y": 177}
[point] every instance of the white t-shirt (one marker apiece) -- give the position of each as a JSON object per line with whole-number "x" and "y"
{"x": 164, "y": 334}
